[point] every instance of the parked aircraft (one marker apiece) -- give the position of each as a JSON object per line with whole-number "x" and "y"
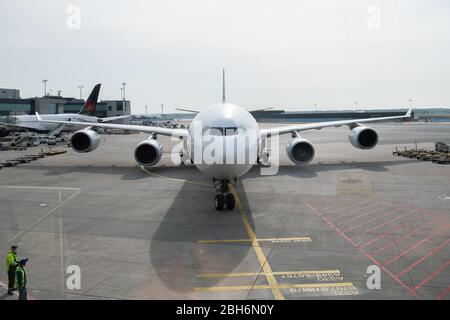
{"x": 215, "y": 133}
{"x": 31, "y": 123}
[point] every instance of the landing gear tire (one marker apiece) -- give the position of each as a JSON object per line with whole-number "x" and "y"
{"x": 229, "y": 201}
{"x": 224, "y": 198}
{"x": 219, "y": 202}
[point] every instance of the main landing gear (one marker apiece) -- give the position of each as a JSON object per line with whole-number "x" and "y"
{"x": 224, "y": 199}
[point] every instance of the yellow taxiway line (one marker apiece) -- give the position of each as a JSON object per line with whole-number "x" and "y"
{"x": 273, "y": 284}
{"x": 281, "y": 273}
{"x": 281, "y": 240}
{"x": 278, "y": 287}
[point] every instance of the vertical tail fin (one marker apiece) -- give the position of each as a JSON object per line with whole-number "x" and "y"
{"x": 223, "y": 86}
{"x": 91, "y": 102}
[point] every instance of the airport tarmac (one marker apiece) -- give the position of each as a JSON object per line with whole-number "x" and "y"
{"x": 310, "y": 232}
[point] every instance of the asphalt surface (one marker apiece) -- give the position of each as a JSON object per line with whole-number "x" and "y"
{"x": 309, "y": 232}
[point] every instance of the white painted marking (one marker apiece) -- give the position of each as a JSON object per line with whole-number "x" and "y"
{"x": 40, "y": 219}
{"x": 6, "y": 287}
{"x": 38, "y": 187}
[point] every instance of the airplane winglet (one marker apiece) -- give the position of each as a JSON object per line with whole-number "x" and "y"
{"x": 38, "y": 116}
{"x": 408, "y": 114}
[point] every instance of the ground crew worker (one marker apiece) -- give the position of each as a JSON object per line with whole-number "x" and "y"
{"x": 11, "y": 264}
{"x": 21, "y": 279}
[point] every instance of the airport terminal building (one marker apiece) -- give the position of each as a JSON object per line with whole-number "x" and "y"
{"x": 11, "y": 104}
{"x": 282, "y": 116}
{"x": 419, "y": 114}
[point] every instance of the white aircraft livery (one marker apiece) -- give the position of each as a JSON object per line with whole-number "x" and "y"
{"x": 31, "y": 123}
{"x": 224, "y": 142}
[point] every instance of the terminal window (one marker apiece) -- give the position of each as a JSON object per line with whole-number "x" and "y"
{"x": 14, "y": 109}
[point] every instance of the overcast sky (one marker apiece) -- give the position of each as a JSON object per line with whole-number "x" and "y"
{"x": 290, "y": 53}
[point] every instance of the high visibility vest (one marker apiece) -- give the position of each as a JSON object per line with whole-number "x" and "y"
{"x": 21, "y": 277}
{"x": 11, "y": 260}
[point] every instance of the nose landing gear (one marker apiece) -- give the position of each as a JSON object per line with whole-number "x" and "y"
{"x": 224, "y": 199}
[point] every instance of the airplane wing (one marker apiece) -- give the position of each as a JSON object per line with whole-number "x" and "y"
{"x": 187, "y": 110}
{"x": 109, "y": 119}
{"x": 261, "y": 109}
{"x": 320, "y": 125}
{"x": 157, "y": 130}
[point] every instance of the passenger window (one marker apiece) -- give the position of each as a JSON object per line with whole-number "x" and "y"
{"x": 230, "y": 131}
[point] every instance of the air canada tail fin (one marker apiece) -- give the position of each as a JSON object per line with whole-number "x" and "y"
{"x": 91, "y": 103}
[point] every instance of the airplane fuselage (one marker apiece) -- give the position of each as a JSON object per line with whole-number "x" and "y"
{"x": 227, "y": 136}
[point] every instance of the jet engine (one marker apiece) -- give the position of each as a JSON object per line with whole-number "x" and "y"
{"x": 85, "y": 140}
{"x": 148, "y": 152}
{"x": 4, "y": 132}
{"x": 300, "y": 151}
{"x": 363, "y": 137}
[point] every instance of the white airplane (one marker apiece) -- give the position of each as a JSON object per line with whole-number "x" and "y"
{"x": 224, "y": 124}
{"x": 31, "y": 123}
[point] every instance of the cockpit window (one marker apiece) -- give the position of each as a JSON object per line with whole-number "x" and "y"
{"x": 219, "y": 131}
{"x": 216, "y": 131}
{"x": 231, "y": 131}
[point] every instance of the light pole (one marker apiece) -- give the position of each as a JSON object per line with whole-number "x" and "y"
{"x": 146, "y": 110}
{"x": 356, "y": 105}
{"x": 124, "y": 105}
{"x": 162, "y": 111}
{"x": 315, "y": 107}
{"x": 81, "y": 91}
{"x": 45, "y": 86}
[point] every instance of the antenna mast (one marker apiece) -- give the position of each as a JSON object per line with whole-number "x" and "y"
{"x": 223, "y": 85}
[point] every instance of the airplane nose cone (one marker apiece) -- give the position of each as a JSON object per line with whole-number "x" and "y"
{"x": 227, "y": 157}
{"x": 224, "y": 171}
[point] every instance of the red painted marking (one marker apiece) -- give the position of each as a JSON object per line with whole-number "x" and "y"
{"x": 385, "y": 223}
{"x": 353, "y": 218}
{"x": 373, "y": 219}
{"x": 358, "y": 208}
{"x": 354, "y": 204}
{"x": 329, "y": 223}
{"x": 351, "y": 205}
{"x": 331, "y": 204}
{"x": 417, "y": 244}
{"x": 405, "y": 236}
{"x": 431, "y": 276}
{"x": 442, "y": 295}
{"x": 356, "y": 211}
{"x": 389, "y": 232}
{"x": 418, "y": 261}
{"x": 375, "y": 261}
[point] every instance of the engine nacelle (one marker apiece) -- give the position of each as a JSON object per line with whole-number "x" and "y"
{"x": 363, "y": 137}
{"x": 148, "y": 152}
{"x": 300, "y": 151}
{"x": 85, "y": 140}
